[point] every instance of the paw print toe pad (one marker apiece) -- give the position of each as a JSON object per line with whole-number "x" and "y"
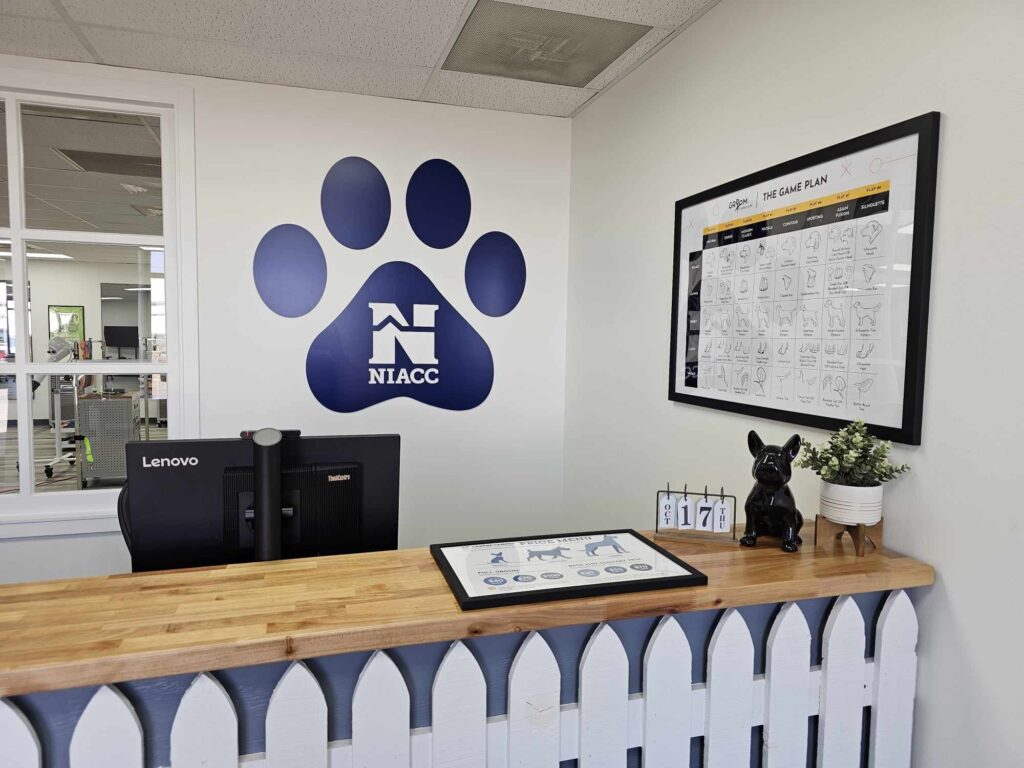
{"x": 290, "y": 270}
{"x": 438, "y": 203}
{"x": 355, "y": 202}
{"x": 495, "y": 274}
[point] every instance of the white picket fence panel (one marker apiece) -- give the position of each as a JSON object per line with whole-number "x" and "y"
{"x": 108, "y": 733}
{"x": 458, "y": 711}
{"x": 380, "y": 716}
{"x": 841, "y": 711}
{"x": 19, "y": 745}
{"x": 667, "y": 695}
{"x": 787, "y": 678}
{"x": 537, "y": 731}
{"x": 297, "y": 721}
{"x": 603, "y": 701}
{"x": 205, "y": 729}
{"x": 730, "y": 693}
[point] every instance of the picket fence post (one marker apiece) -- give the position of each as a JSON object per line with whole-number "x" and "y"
{"x": 205, "y": 729}
{"x": 841, "y": 708}
{"x": 787, "y": 683}
{"x": 297, "y": 721}
{"x": 892, "y": 715}
{"x": 108, "y": 733}
{"x": 534, "y": 695}
{"x": 459, "y": 711}
{"x": 19, "y": 745}
{"x": 730, "y": 693}
{"x": 667, "y": 688}
{"x": 603, "y": 701}
{"x": 380, "y": 716}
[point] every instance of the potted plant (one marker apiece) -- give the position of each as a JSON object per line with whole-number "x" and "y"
{"x": 853, "y": 466}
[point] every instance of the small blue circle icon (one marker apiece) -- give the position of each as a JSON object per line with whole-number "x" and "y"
{"x": 640, "y": 567}
{"x": 615, "y": 569}
{"x": 589, "y": 572}
{"x": 524, "y": 578}
{"x": 551, "y": 575}
{"x": 495, "y": 581}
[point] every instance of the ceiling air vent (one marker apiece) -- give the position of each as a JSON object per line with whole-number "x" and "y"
{"x": 525, "y": 43}
{"x": 107, "y": 162}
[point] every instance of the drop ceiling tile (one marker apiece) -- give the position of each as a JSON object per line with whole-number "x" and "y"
{"x": 411, "y": 32}
{"x": 40, "y": 37}
{"x": 35, "y": 9}
{"x": 203, "y": 57}
{"x": 628, "y": 60}
{"x": 654, "y": 13}
{"x": 505, "y": 94}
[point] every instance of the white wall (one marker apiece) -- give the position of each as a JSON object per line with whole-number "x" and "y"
{"x": 261, "y": 155}
{"x": 753, "y": 84}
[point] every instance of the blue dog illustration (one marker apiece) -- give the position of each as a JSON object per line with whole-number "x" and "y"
{"x": 554, "y": 554}
{"x": 607, "y": 541}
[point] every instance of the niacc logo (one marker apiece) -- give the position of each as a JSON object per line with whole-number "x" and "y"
{"x": 177, "y": 461}
{"x": 398, "y": 336}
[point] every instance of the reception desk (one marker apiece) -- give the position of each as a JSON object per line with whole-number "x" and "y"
{"x": 367, "y": 661}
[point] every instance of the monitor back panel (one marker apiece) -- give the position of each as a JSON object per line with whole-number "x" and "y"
{"x": 177, "y": 489}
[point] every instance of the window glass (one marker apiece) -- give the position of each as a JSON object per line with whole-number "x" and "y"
{"x": 96, "y": 302}
{"x": 8, "y": 321}
{"x": 8, "y": 435}
{"x": 5, "y": 200}
{"x": 91, "y": 171}
{"x": 97, "y": 415}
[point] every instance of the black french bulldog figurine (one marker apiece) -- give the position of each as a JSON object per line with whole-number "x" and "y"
{"x": 771, "y": 509}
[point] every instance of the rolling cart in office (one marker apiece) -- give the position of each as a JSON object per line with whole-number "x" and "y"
{"x": 105, "y": 424}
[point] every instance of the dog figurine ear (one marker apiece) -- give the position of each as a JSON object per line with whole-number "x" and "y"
{"x": 754, "y": 443}
{"x": 792, "y": 447}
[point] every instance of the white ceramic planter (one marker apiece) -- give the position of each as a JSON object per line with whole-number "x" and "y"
{"x": 850, "y": 505}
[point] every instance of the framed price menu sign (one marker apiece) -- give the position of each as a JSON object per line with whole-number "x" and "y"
{"x": 800, "y": 293}
{"x": 486, "y": 574}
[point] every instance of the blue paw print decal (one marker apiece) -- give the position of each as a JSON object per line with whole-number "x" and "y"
{"x": 398, "y": 337}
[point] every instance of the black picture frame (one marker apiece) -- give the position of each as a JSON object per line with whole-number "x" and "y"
{"x": 926, "y": 127}
{"x": 468, "y": 603}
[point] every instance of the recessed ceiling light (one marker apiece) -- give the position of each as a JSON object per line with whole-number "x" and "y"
{"x": 151, "y": 248}
{"x": 140, "y": 288}
{"x": 111, "y": 298}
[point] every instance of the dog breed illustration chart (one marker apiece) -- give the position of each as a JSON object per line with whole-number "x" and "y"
{"x": 398, "y": 336}
{"x": 813, "y": 317}
{"x": 524, "y": 570}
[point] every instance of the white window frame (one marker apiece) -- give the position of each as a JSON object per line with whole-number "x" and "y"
{"x": 31, "y": 514}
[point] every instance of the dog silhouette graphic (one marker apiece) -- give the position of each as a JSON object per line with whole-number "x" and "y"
{"x": 607, "y": 541}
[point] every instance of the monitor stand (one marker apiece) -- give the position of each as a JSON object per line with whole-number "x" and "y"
{"x": 266, "y": 463}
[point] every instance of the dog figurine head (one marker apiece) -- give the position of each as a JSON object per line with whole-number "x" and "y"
{"x": 772, "y": 463}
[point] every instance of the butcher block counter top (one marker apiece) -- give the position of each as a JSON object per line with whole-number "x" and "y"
{"x": 64, "y": 634}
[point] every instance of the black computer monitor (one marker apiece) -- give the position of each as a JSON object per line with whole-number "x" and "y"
{"x": 191, "y": 502}
{"x": 126, "y": 336}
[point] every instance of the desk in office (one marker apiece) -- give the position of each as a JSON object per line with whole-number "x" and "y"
{"x": 109, "y": 630}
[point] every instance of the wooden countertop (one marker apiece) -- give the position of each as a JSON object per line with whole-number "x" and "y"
{"x": 63, "y": 634}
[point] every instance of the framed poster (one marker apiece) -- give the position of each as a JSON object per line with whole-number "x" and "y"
{"x": 800, "y": 293}
{"x": 66, "y": 321}
{"x": 486, "y": 574}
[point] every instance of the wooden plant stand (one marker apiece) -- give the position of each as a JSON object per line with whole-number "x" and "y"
{"x": 828, "y": 533}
